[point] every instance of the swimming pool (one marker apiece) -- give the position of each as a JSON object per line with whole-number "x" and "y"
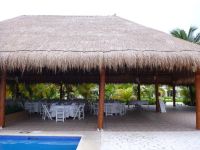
{"x": 38, "y": 142}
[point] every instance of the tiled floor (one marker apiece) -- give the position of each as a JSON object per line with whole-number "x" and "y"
{"x": 176, "y": 119}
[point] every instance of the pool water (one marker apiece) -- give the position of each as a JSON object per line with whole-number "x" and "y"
{"x": 38, "y": 143}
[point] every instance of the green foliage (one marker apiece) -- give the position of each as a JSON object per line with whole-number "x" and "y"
{"x": 69, "y": 89}
{"x": 109, "y": 91}
{"x": 90, "y": 92}
{"x": 190, "y": 36}
{"x": 122, "y": 92}
{"x": 184, "y": 93}
{"x": 162, "y": 91}
{"x": 147, "y": 93}
{"x": 12, "y": 109}
{"x": 192, "y": 94}
{"x": 87, "y": 91}
{"x": 9, "y": 91}
{"x": 24, "y": 92}
{"x": 187, "y": 94}
{"x": 39, "y": 91}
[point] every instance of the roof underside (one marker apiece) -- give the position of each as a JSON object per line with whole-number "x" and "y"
{"x": 84, "y": 43}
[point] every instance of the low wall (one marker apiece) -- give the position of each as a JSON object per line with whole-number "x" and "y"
{"x": 15, "y": 117}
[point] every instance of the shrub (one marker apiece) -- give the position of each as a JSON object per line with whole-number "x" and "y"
{"x": 12, "y": 109}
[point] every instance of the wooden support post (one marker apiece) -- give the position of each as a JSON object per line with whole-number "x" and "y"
{"x": 157, "y": 95}
{"x": 138, "y": 92}
{"x": 174, "y": 95}
{"x": 197, "y": 88}
{"x": 101, "y": 98}
{"x": 2, "y": 98}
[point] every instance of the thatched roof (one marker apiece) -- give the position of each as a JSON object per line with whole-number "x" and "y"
{"x": 85, "y": 42}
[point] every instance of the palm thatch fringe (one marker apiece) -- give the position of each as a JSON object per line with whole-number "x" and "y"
{"x": 87, "y": 42}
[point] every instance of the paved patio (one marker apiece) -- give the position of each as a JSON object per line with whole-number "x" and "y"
{"x": 181, "y": 118}
{"x": 138, "y": 130}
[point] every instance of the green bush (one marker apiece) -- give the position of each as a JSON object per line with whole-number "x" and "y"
{"x": 13, "y": 108}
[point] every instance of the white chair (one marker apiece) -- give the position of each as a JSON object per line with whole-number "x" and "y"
{"x": 45, "y": 112}
{"x": 122, "y": 109}
{"x": 162, "y": 106}
{"x": 95, "y": 108}
{"x": 40, "y": 108}
{"x": 108, "y": 109}
{"x": 60, "y": 114}
{"x": 80, "y": 113}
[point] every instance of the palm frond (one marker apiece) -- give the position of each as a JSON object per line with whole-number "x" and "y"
{"x": 197, "y": 39}
{"x": 191, "y": 33}
{"x": 183, "y": 35}
{"x": 176, "y": 33}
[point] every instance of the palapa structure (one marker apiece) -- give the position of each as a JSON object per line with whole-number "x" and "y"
{"x": 99, "y": 49}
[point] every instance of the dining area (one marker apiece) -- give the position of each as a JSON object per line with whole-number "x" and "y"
{"x": 66, "y": 110}
{"x": 62, "y": 110}
{"x": 58, "y": 111}
{"x": 111, "y": 108}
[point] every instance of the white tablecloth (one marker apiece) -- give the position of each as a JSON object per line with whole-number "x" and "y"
{"x": 116, "y": 108}
{"x": 162, "y": 106}
{"x": 70, "y": 110}
{"x": 35, "y": 106}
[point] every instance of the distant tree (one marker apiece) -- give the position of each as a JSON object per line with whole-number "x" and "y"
{"x": 69, "y": 89}
{"x": 122, "y": 92}
{"x": 110, "y": 91}
{"x": 147, "y": 93}
{"x": 86, "y": 91}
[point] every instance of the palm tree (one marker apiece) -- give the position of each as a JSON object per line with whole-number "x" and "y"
{"x": 190, "y": 36}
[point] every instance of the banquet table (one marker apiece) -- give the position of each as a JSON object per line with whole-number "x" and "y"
{"x": 70, "y": 110}
{"x": 115, "y": 108}
{"x": 35, "y": 106}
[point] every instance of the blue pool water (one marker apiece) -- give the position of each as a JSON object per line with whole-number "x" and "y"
{"x": 38, "y": 143}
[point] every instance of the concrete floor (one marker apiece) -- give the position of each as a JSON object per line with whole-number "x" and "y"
{"x": 181, "y": 118}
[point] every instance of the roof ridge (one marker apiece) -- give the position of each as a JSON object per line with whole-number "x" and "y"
{"x": 75, "y": 16}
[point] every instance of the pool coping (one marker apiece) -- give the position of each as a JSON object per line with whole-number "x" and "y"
{"x": 90, "y": 140}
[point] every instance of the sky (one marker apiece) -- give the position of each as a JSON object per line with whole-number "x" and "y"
{"x": 163, "y": 15}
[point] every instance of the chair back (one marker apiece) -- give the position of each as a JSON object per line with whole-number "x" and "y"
{"x": 46, "y": 111}
{"x": 108, "y": 109}
{"x": 81, "y": 107}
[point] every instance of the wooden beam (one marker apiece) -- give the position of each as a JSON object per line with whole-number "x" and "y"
{"x": 197, "y": 88}
{"x": 101, "y": 98}
{"x": 157, "y": 95}
{"x": 138, "y": 92}
{"x": 174, "y": 95}
{"x": 2, "y": 98}
{"x": 92, "y": 77}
